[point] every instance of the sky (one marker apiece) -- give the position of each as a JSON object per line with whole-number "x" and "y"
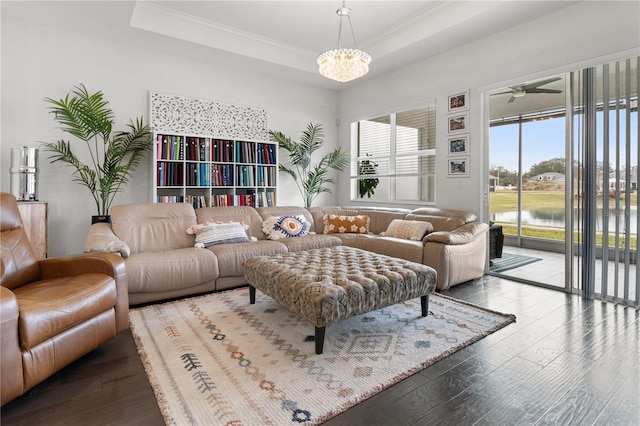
{"x": 543, "y": 140}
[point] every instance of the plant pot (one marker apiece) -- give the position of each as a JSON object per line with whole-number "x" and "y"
{"x": 100, "y": 219}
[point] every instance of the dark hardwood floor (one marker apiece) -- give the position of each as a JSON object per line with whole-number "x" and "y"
{"x": 565, "y": 361}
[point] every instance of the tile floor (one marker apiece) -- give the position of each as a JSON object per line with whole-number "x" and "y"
{"x": 551, "y": 271}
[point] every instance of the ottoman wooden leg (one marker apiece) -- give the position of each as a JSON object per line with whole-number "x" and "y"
{"x": 319, "y": 339}
{"x": 252, "y": 294}
{"x": 424, "y": 303}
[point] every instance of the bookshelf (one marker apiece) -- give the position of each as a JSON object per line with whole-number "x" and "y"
{"x": 206, "y": 171}
{"x": 219, "y": 159}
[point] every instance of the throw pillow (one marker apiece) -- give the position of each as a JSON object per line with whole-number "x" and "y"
{"x": 277, "y": 227}
{"x": 209, "y": 234}
{"x": 408, "y": 229}
{"x": 339, "y": 224}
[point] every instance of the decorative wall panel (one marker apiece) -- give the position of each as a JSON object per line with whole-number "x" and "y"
{"x": 178, "y": 114}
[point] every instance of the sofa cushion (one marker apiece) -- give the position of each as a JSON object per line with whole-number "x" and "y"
{"x": 442, "y": 219}
{"x": 341, "y": 224}
{"x": 170, "y": 270}
{"x": 153, "y": 226}
{"x": 408, "y": 229}
{"x": 276, "y": 227}
{"x": 310, "y": 242}
{"x": 390, "y": 246}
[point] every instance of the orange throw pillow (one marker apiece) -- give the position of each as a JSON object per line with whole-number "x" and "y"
{"x": 338, "y": 224}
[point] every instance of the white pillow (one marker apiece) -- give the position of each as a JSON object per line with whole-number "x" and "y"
{"x": 221, "y": 233}
{"x": 408, "y": 229}
{"x": 277, "y": 227}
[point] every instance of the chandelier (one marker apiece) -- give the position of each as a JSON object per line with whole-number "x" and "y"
{"x": 344, "y": 64}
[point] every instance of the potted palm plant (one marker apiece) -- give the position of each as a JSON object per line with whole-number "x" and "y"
{"x": 112, "y": 156}
{"x": 311, "y": 179}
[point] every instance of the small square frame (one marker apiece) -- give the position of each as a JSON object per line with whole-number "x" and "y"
{"x": 458, "y": 123}
{"x": 458, "y": 102}
{"x": 458, "y": 167}
{"x": 458, "y": 145}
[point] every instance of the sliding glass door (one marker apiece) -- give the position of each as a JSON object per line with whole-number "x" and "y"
{"x": 527, "y": 137}
{"x": 564, "y": 181}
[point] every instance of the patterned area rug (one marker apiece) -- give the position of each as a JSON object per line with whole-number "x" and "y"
{"x": 216, "y": 359}
{"x": 510, "y": 261}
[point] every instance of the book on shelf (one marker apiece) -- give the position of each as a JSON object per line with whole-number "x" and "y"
{"x": 170, "y": 199}
{"x": 265, "y": 153}
{"x": 266, "y": 176}
{"x": 222, "y": 200}
{"x": 197, "y": 201}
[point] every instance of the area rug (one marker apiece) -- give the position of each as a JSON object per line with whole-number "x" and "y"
{"x": 511, "y": 261}
{"x": 216, "y": 359}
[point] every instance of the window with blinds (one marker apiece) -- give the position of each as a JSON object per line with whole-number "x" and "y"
{"x": 393, "y": 157}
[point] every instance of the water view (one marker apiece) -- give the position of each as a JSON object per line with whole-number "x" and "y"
{"x": 555, "y": 218}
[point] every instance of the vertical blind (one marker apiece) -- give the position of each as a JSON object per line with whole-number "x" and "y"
{"x": 606, "y": 151}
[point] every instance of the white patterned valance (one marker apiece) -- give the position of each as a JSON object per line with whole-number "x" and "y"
{"x": 177, "y": 114}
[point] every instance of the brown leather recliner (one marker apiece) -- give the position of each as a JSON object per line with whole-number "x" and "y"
{"x": 52, "y": 311}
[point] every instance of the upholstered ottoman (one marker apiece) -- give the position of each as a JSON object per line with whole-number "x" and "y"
{"x": 330, "y": 284}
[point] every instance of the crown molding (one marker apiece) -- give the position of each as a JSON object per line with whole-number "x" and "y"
{"x": 437, "y": 17}
{"x": 156, "y": 18}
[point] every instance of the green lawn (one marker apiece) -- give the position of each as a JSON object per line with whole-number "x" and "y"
{"x": 505, "y": 201}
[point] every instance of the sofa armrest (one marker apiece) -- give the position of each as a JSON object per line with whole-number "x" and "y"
{"x": 10, "y": 356}
{"x": 101, "y": 239}
{"x": 462, "y": 235}
{"x": 105, "y": 263}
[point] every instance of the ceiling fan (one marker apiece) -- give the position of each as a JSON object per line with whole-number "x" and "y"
{"x": 520, "y": 90}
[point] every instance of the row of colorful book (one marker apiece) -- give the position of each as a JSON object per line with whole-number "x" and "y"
{"x": 170, "y": 199}
{"x": 169, "y": 174}
{"x": 197, "y": 201}
{"x": 265, "y": 199}
{"x": 177, "y": 148}
{"x": 245, "y": 152}
{"x": 169, "y": 147}
{"x": 197, "y": 149}
{"x": 245, "y": 176}
{"x": 197, "y": 174}
{"x": 260, "y": 199}
{"x": 233, "y": 200}
{"x": 222, "y": 150}
{"x": 266, "y": 175}
{"x": 266, "y": 153}
{"x": 222, "y": 174}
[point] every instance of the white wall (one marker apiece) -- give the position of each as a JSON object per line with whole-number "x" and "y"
{"x": 586, "y": 34}
{"x": 39, "y": 62}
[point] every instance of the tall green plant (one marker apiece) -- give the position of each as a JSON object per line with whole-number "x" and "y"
{"x": 112, "y": 157}
{"x": 311, "y": 179}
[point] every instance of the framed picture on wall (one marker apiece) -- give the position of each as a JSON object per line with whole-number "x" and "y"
{"x": 458, "y": 123}
{"x": 458, "y": 167}
{"x": 458, "y": 145}
{"x": 459, "y": 102}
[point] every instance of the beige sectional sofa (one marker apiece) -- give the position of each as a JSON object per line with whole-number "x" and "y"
{"x": 163, "y": 263}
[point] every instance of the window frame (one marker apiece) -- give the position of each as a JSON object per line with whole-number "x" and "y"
{"x": 392, "y": 156}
